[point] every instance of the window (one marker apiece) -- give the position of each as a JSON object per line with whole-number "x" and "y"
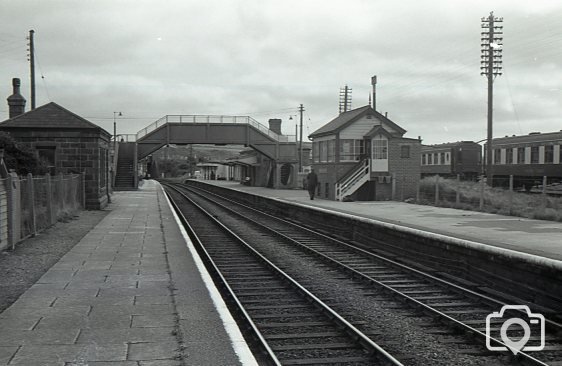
{"x": 405, "y": 151}
{"x": 534, "y": 154}
{"x": 447, "y": 157}
{"x": 424, "y": 159}
{"x": 509, "y": 156}
{"x": 332, "y": 150}
{"x": 549, "y": 154}
{"x": 429, "y": 159}
{"x": 315, "y": 152}
{"x": 520, "y": 155}
{"x": 47, "y": 154}
{"x": 359, "y": 149}
{"x": 323, "y": 151}
{"x": 380, "y": 148}
{"x": 441, "y": 158}
{"x": 497, "y": 156}
{"x": 346, "y": 150}
{"x": 351, "y": 150}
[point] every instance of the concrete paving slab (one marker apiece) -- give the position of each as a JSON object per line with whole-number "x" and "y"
{"x": 30, "y": 355}
{"x": 114, "y": 298}
{"x": 6, "y": 353}
{"x": 130, "y": 335}
{"x": 153, "y": 351}
{"x": 39, "y": 336}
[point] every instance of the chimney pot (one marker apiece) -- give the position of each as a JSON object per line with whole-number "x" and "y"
{"x": 16, "y": 102}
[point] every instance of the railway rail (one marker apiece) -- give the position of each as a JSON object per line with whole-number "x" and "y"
{"x": 459, "y": 308}
{"x": 289, "y": 325}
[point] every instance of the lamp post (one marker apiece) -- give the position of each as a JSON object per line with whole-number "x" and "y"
{"x": 115, "y": 114}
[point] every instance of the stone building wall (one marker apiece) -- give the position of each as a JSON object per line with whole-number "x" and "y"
{"x": 81, "y": 151}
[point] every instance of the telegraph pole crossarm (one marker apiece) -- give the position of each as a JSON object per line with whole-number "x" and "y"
{"x": 491, "y": 66}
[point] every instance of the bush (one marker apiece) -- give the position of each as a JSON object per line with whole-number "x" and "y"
{"x": 496, "y": 200}
{"x": 20, "y": 158}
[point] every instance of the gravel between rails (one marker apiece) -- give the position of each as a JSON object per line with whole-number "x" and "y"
{"x": 399, "y": 334}
{"x": 21, "y": 268}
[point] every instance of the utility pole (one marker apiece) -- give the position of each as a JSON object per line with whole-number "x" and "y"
{"x": 345, "y": 99}
{"x": 301, "y": 110}
{"x": 31, "y": 60}
{"x": 491, "y": 66}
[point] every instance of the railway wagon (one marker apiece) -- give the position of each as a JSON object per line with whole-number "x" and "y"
{"x": 528, "y": 158}
{"x": 451, "y": 159}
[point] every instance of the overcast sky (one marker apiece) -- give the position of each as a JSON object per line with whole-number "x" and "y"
{"x": 263, "y": 58}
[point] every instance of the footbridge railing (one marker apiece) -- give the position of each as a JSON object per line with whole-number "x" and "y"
{"x": 214, "y": 119}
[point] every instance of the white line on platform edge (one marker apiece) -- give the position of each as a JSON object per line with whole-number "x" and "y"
{"x": 237, "y": 340}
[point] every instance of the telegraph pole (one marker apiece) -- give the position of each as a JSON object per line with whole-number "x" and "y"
{"x": 301, "y": 110}
{"x": 31, "y": 60}
{"x": 345, "y": 99}
{"x": 491, "y": 65}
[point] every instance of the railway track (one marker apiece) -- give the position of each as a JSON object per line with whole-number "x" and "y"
{"x": 461, "y": 309}
{"x": 289, "y": 325}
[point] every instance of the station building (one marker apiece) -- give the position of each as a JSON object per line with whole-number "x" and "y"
{"x": 363, "y": 155}
{"x": 69, "y": 143}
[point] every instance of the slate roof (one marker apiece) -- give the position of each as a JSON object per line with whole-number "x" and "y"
{"x": 50, "y": 115}
{"x": 346, "y": 118}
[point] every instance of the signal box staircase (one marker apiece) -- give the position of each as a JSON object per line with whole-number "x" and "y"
{"x": 354, "y": 179}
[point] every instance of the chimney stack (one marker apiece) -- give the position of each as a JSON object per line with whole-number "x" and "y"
{"x": 275, "y": 125}
{"x": 374, "y": 85}
{"x": 16, "y": 102}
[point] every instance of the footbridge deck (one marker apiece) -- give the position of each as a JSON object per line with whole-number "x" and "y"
{"x": 209, "y": 129}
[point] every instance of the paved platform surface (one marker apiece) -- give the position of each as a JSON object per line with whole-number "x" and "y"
{"x": 128, "y": 294}
{"x": 538, "y": 237}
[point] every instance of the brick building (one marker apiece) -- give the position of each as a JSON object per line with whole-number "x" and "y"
{"x": 68, "y": 142}
{"x": 363, "y": 155}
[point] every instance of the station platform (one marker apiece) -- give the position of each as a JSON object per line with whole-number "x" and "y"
{"x": 132, "y": 292}
{"x": 536, "y": 237}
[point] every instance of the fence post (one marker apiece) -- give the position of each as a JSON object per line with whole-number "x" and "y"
{"x": 393, "y": 186}
{"x": 31, "y": 190}
{"x": 436, "y": 190}
{"x": 510, "y": 194}
{"x": 83, "y": 189}
{"x": 50, "y": 216}
{"x": 481, "y": 192}
{"x": 60, "y": 186}
{"x": 544, "y": 196}
{"x": 458, "y": 191}
{"x": 14, "y": 209}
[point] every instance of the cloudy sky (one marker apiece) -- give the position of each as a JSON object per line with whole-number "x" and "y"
{"x": 263, "y": 58}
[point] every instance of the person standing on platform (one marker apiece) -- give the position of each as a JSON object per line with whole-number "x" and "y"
{"x": 311, "y": 183}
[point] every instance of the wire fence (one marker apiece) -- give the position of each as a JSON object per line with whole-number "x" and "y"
{"x": 524, "y": 197}
{"x": 45, "y": 200}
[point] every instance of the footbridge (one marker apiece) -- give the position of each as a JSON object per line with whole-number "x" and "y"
{"x": 198, "y": 129}
{"x": 280, "y": 150}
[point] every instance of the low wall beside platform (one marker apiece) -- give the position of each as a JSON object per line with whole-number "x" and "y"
{"x": 485, "y": 267}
